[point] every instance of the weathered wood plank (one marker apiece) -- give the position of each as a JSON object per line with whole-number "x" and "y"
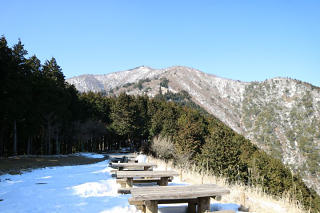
{"x": 178, "y": 195}
{"x": 174, "y": 188}
{"x": 151, "y": 174}
{"x": 134, "y": 202}
{"x": 142, "y": 180}
{"x": 122, "y": 155}
{"x": 124, "y": 190}
{"x": 177, "y": 192}
{"x": 125, "y": 165}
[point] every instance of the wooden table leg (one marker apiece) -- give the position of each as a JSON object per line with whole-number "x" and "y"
{"x": 151, "y": 206}
{"x": 191, "y": 207}
{"x": 146, "y": 168}
{"x": 123, "y": 184}
{"x": 120, "y": 168}
{"x": 204, "y": 204}
{"x": 163, "y": 181}
{"x": 129, "y": 182}
{"x": 141, "y": 208}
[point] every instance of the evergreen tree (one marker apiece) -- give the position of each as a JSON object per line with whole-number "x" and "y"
{"x": 124, "y": 117}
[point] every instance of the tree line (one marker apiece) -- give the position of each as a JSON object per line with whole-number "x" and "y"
{"x": 42, "y": 114}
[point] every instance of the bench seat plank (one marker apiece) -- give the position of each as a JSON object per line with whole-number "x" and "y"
{"x": 177, "y": 192}
{"x": 151, "y": 174}
{"x": 126, "y": 165}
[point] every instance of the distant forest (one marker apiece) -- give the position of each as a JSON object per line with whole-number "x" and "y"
{"x": 42, "y": 114}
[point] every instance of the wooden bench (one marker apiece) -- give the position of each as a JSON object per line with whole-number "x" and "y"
{"x": 198, "y": 197}
{"x": 122, "y": 159}
{"x": 145, "y": 176}
{"x": 133, "y": 166}
{"x": 127, "y": 190}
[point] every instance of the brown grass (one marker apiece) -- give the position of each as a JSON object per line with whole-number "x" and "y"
{"x": 20, "y": 164}
{"x": 252, "y": 197}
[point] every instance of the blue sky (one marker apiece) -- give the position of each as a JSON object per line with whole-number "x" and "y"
{"x": 242, "y": 39}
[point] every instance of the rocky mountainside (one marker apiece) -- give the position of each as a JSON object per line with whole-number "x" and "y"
{"x": 280, "y": 115}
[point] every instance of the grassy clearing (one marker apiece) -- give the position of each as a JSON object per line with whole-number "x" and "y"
{"x": 252, "y": 197}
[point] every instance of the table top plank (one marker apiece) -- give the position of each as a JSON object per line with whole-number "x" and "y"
{"x": 177, "y": 192}
{"x": 152, "y": 174}
{"x": 125, "y": 165}
{"x": 175, "y": 187}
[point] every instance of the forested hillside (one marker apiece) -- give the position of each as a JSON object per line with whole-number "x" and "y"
{"x": 280, "y": 115}
{"x": 42, "y": 114}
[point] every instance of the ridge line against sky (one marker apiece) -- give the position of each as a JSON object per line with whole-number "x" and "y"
{"x": 241, "y": 40}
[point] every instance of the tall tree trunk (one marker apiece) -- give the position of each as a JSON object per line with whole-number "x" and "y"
{"x": 15, "y": 142}
{"x": 1, "y": 143}
{"x": 42, "y": 143}
{"x": 82, "y": 146}
{"x": 29, "y": 145}
{"x": 69, "y": 145}
{"x": 48, "y": 139}
{"x": 91, "y": 144}
{"x": 57, "y": 144}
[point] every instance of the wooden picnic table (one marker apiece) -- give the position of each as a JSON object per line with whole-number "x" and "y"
{"x": 121, "y": 166}
{"x": 124, "y": 158}
{"x": 145, "y": 176}
{"x": 197, "y": 196}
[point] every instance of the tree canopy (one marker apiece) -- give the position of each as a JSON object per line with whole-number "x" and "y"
{"x": 40, "y": 113}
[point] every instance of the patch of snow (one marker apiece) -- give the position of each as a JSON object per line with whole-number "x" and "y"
{"x": 83, "y": 188}
{"x": 141, "y": 158}
{"x": 46, "y": 177}
{"x": 118, "y": 209}
{"x": 14, "y": 182}
{"x": 89, "y": 155}
{"x": 99, "y": 188}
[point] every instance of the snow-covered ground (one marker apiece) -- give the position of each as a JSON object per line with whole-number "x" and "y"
{"x": 89, "y": 155}
{"x": 83, "y": 188}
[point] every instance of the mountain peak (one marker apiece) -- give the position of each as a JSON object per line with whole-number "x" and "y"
{"x": 268, "y": 112}
{"x": 142, "y": 67}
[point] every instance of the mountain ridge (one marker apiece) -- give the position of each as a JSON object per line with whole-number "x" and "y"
{"x": 280, "y": 115}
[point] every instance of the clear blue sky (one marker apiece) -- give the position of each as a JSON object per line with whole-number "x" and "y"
{"x": 242, "y": 40}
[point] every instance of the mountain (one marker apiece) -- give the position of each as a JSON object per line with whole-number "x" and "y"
{"x": 280, "y": 115}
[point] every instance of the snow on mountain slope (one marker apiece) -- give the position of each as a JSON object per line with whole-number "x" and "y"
{"x": 280, "y": 115}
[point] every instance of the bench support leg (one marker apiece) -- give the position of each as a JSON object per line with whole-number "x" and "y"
{"x": 204, "y": 204}
{"x": 123, "y": 184}
{"x": 163, "y": 181}
{"x": 142, "y": 208}
{"x": 191, "y": 207}
{"x": 129, "y": 182}
{"x": 146, "y": 168}
{"x": 151, "y": 206}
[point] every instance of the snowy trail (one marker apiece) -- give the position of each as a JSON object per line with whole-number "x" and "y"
{"x": 84, "y": 188}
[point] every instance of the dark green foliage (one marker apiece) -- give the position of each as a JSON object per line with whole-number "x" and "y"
{"x": 182, "y": 98}
{"x": 164, "y": 82}
{"x": 126, "y": 85}
{"x": 192, "y": 127}
{"x": 270, "y": 118}
{"x": 140, "y": 83}
{"x": 42, "y": 114}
